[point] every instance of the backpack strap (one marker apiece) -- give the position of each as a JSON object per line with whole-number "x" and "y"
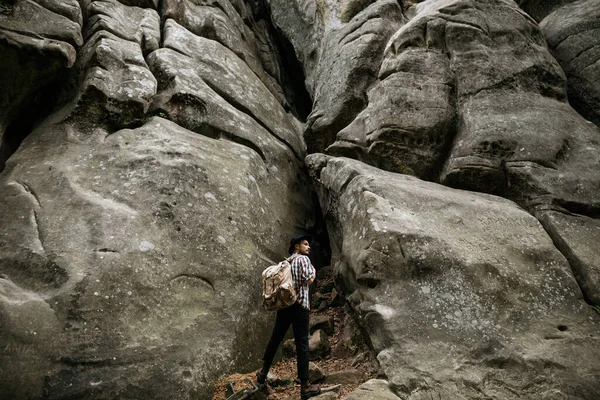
{"x": 292, "y": 257}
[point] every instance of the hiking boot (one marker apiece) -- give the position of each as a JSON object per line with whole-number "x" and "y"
{"x": 307, "y": 391}
{"x": 260, "y": 378}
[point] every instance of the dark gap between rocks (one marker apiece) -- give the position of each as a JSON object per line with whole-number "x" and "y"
{"x": 32, "y": 112}
{"x": 587, "y": 210}
{"x": 292, "y": 76}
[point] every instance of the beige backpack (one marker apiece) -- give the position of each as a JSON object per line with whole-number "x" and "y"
{"x": 278, "y": 286}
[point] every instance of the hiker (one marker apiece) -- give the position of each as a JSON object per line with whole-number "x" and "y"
{"x": 297, "y": 315}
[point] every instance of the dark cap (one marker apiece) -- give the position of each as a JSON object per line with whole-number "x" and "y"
{"x": 297, "y": 239}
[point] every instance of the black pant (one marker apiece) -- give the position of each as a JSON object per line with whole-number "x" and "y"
{"x": 298, "y": 317}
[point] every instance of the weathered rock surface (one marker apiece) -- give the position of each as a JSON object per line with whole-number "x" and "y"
{"x": 340, "y": 46}
{"x": 375, "y": 389}
{"x": 155, "y": 154}
{"x": 349, "y": 376}
{"x": 539, "y": 9}
{"x": 318, "y": 345}
{"x": 131, "y": 278}
{"x": 114, "y": 83}
{"x": 410, "y": 119}
{"x": 573, "y": 34}
{"x": 323, "y": 322}
{"x": 220, "y": 94}
{"x": 470, "y": 111}
{"x": 132, "y": 246}
{"x": 225, "y": 22}
{"x": 38, "y": 43}
{"x": 576, "y": 236}
{"x": 455, "y": 287}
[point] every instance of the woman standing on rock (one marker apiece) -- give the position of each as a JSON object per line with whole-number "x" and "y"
{"x": 297, "y": 315}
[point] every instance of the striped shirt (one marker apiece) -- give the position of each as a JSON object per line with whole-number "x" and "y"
{"x": 302, "y": 272}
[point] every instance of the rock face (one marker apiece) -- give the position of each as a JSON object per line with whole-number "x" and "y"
{"x": 456, "y": 287}
{"x": 339, "y": 44}
{"x": 38, "y": 42}
{"x": 153, "y": 157}
{"x": 573, "y": 36}
{"x": 375, "y": 389}
{"x": 132, "y": 244}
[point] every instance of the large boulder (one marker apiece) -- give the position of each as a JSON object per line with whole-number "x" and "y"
{"x": 374, "y": 389}
{"x": 573, "y": 34}
{"x": 409, "y": 122}
{"x": 463, "y": 295}
{"x": 133, "y": 244}
{"x": 140, "y": 267}
{"x": 163, "y": 168}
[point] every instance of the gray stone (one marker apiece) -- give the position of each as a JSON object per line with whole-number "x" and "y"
{"x": 374, "y": 389}
{"x": 318, "y": 345}
{"x": 345, "y": 377}
{"x": 573, "y": 34}
{"x": 38, "y": 43}
{"x": 315, "y": 374}
{"x": 393, "y": 132}
{"x": 230, "y": 77}
{"x": 114, "y": 85}
{"x": 440, "y": 276}
{"x": 539, "y": 9}
{"x": 498, "y": 147}
{"x": 576, "y": 236}
{"x": 67, "y": 8}
{"x": 323, "y": 322}
{"x": 131, "y": 245}
{"x": 154, "y": 162}
{"x": 130, "y": 23}
{"x": 327, "y": 396}
{"x": 226, "y": 25}
{"x": 27, "y": 321}
{"x": 118, "y": 95}
{"x": 35, "y": 20}
{"x": 340, "y": 55}
{"x": 439, "y": 112}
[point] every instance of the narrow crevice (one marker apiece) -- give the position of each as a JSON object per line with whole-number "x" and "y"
{"x": 587, "y": 210}
{"x": 107, "y": 250}
{"x": 292, "y": 72}
{"x": 28, "y": 190}
{"x": 320, "y": 245}
{"x": 36, "y": 221}
{"x": 30, "y": 115}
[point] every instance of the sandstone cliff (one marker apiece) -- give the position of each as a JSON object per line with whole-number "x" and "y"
{"x": 155, "y": 154}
